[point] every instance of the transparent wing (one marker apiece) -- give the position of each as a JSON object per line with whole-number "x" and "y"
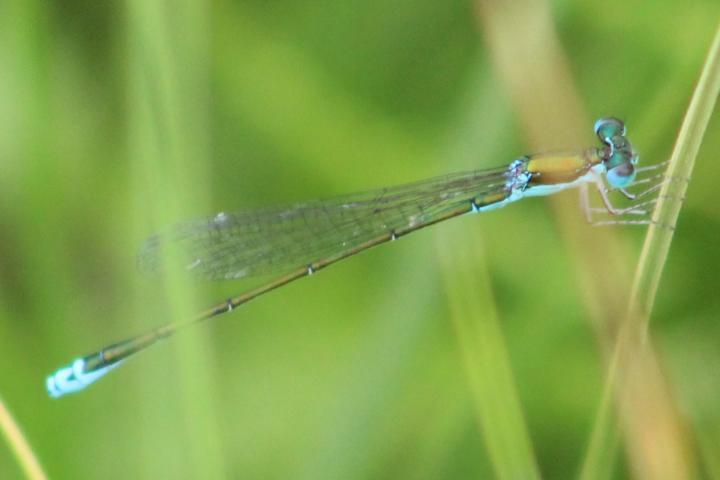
{"x": 276, "y": 239}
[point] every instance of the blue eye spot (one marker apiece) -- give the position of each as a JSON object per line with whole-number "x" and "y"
{"x": 621, "y": 176}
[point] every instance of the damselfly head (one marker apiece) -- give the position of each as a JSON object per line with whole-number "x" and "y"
{"x": 619, "y": 158}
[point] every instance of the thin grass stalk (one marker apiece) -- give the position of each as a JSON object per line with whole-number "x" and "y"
{"x": 659, "y": 236}
{"x": 167, "y": 55}
{"x": 496, "y": 403}
{"x": 20, "y": 447}
{"x": 603, "y": 276}
{"x": 634, "y": 366}
{"x": 631, "y": 363}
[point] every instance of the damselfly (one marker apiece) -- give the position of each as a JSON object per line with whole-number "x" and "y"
{"x": 298, "y": 240}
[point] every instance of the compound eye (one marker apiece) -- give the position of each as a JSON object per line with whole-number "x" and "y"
{"x": 608, "y": 128}
{"x": 622, "y": 175}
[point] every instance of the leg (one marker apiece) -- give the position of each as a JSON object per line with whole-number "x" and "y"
{"x": 585, "y": 202}
{"x": 656, "y": 185}
{"x": 588, "y": 209}
{"x": 647, "y": 168}
{"x": 633, "y": 209}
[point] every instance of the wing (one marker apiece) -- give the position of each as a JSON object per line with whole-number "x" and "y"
{"x": 277, "y": 239}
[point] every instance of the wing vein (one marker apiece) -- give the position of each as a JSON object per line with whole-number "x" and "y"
{"x": 275, "y": 239}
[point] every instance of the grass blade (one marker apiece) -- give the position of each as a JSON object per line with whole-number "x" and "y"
{"x": 657, "y": 242}
{"x": 19, "y": 445}
{"x": 634, "y": 373}
{"x": 486, "y": 361}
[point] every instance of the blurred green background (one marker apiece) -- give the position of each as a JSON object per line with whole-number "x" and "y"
{"x": 117, "y": 119}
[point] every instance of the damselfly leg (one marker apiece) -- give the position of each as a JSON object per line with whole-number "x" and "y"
{"x": 640, "y": 202}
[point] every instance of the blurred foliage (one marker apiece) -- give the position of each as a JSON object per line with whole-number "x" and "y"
{"x": 117, "y": 119}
